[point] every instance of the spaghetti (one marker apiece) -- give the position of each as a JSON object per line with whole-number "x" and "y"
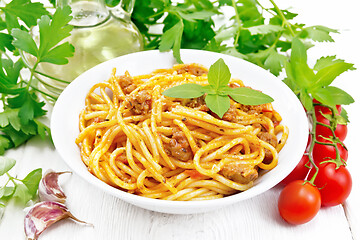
{"x": 134, "y": 138}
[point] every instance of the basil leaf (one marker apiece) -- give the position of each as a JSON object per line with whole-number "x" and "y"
{"x": 219, "y": 74}
{"x": 22, "y": 193}
{"x": 187, "y": 90}
{"x": 6, "y": 191}
{"x": 332, "y": 96}
{"x": 6, "y": 164}
{"x": 210, "y": 89}
{"x": 248, "y": 96}
{"x": 218, "y": 104}
{"x": 32, "y": 180}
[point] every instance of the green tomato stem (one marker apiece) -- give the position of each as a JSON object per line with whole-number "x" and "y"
{"x": 312, "y": 144}
{"x": 334, "y": 140}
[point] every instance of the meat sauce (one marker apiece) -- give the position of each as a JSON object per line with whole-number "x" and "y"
{"x": 179, "y": 147}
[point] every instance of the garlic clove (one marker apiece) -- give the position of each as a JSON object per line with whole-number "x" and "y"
{"x": 44, "y": 214}
{"x": 49, "y": 188}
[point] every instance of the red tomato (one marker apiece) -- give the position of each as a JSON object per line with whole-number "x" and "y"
{"x": 334, "y": 184}
{"x": 193, "y": 174}
{"x": 299, "y": 202}
{"x": 326, "y": 152}
{"x": 340, "y": 131}
{"x": 299, "y": 173}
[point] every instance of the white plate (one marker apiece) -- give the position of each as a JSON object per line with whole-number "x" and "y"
{"x": 65, "y": 119}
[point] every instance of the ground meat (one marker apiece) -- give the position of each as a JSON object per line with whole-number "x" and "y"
{"x": 197, "y": 103}
{"x": 239, "y": 172}
{"x": 269, "y": 138}
{"x": 127, "y": 84}
{"x": 140, "y": 103}
{"x": 179, "y": 146}
{"x": 251, "y": 109}
{"x": 230, "y": 115}
{"x": 192, "y": 69}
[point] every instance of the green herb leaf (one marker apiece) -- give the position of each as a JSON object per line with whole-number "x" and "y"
{"x": 199, "y": 15}
{"x": 59, "y": 54}
{"x": 219, "y": 74}
{"x": 6, "y": 164}
{"x": 217, "y": 104}
{"x": 42, "y": 129}
{"x": 10, "y": 116}
{"x": 30, "y": 109}
{"x": 32, "y": 180}
{"x": 301, "y": 72}
{"x": 23, "y": 41}
{"x": 5, "y": 144}
{"x": 344, "y": 115}
{"x": 275, "y": 62}
{"x": 187, "y": 90}
{"x": 22, "y": 193}
{"x": 171, "y": 39}
{"x": 327, "y": 75}
{"x": 26, "y": 10}
{"x": 265, "y": 29}
{"x": 248, "y": 96}
{"x": 17, "y": 137}
{"x": 332, "y": 96}
{"x": 327, "y": 61}
{"x": 306, "y": 100}
{"x": 319, "y": 33}
{"x": 6, "y": 191}
{"x": 52, "y": 32}
{"x": 5, "y": 42}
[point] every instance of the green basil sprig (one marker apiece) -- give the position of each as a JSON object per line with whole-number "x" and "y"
{"x": 22, "y": 189}
{"x": 218, "y": 92}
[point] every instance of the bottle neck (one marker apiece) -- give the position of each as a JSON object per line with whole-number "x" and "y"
{"x": 86, "y": 13}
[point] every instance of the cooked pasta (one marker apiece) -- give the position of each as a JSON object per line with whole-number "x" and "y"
{"x": 136, "y": 139}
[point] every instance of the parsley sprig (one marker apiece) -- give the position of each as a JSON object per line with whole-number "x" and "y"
{"x": 218, "y": 92}
{"x": 260, "y": 34}
{"x": 22, "y": 111}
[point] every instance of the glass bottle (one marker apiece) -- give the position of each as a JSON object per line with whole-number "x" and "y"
{"x": 100, "y": 33}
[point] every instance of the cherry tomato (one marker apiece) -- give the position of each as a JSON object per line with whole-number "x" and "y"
{"x": 340, "y": 131}
{"x": 299, "y": 202}
{"x": 326, "y": 152}
{"x": 299, "y": 173}
{"x": 334, "y": 184}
